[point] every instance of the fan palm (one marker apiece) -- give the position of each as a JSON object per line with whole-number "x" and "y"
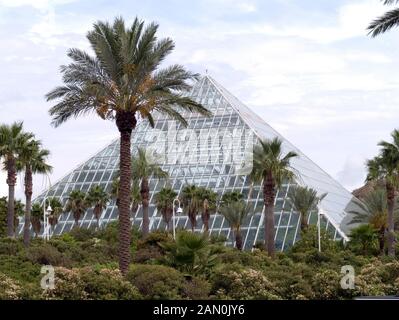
{"x": 56, "y": 210}
{"x": 191, "y": 204}
{"x": 386, "y": 22}
{"x": 305, "y": 200}
{"x": 208, "y": 201}
{"x": 19, "y": 211}
{"x": 271, "y": 167}
{"x": 365, "y": 236}
{"x": 37, "y": 218}
{"x": 98, "y": 199}
{"x": 12, "y": 141}
{"x": 164, "y": 202}
{"x": 123, "y": 82}
{"x": 33, "y": 160}
{"x": 374, "y": 211}
{"x": 142, "y": 169}
{"x": 385, "y": 167}
{"x": 76, "y": 203}
{"x": 235, "y": 212}
{"x": 231, "y": 196}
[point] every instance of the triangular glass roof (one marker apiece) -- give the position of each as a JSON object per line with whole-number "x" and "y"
{"x": 208, "y": 162}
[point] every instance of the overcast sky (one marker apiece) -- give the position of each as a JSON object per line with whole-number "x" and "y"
{"x": 306, "y": 67}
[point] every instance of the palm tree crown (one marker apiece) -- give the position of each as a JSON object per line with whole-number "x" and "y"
{"x": 305, "y": 200}
{"x": 386, "y": 22}
{"x": 76, "y": 204}
{"x": 164, "y": 202}
{"x": 98, "y": 199}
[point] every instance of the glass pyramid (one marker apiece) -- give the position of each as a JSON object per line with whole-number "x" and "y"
{"x": 214, "y": 161}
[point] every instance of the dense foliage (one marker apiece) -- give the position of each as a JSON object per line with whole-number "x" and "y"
{"x": 193, "y": 267}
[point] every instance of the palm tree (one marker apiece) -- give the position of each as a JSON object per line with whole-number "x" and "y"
{"x": 98, "y": 199}
{"x": 365, "y": 236}
{"x": 56, "y": 210}
{"x": 164, "y": 202}
{"x": 37, "y": 218}
{"x": 231, "y": 196}
{"x": 3, "y": 216}
{"x": 191, "y": 204}
{"x": 271, "y": 167}
{"x": 208, "y": 200}
{"x": 142, "y": 169}
{"x": 385, "y": 167}
{"x": 373, "y": 210}
{"x": 76, "y": 204}
{"x": 235, "y": 212}
{"x": 386, "y": 22}
{"x": 12, "y": 140}
{"x": 32, "y": 160}
{"x": 305, "y": 200}
{"x": 123, "y": 82}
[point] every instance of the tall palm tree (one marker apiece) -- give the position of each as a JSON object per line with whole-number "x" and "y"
{"x": 164, "y": 202}
{"x": 32, "y": 160}
{"x": 191, "y": 204}
{"x": 37, "y": 218}
{"x": 98, "y": 199}
{"x": 56, "y": 210}
{"x": 386, "y": 22}
{"x": 12, "y": 140}
{"x": 208, "y": 201}
{"x": 385, "y": 167}
{"x": 142, "y": 169}
{"x": 235, "y": 212}
{"x": 273, "y": 168}
{"x": 373, "y": 210}
{"x": 76, "y": 204}
{"x": 305, "y": 200}
{"x": 123, "y": 82}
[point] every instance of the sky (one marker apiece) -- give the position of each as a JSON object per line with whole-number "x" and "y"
{"x": 306, "y": 67}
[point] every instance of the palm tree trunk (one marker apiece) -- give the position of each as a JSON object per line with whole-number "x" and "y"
{"x": 381, "y": 240}
{"x": 11, "y": 181}
{"x": 125, "y": 122}
{"x": 304, "y": 222}
{"x": 205, "y": 217}
{"x": 145, "y": 195}
{"x": 391, "y": 231}
{"x": 239, "y": 241}
{"x": 28, "y": 205}
{"x": 269, "y": 195}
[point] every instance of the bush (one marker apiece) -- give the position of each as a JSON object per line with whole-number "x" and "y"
{"x": 82, "y": 234}
{"x": 197, "y": 289}
{"x": 10, "y": 289}
{"x": 10, "y": 246}
{"x": 46, "y": 254}
{"x": 156, "y": 282}
{"x": 87, "y": 283}
{"x": 243, "y": 285}
{"x": 326, "y": 285}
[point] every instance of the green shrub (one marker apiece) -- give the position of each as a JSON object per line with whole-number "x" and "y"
{"x": 243, "y": 285}
{"x": 10, "y": 246}
{"x": 156, "y": 282}
{"x": 46, "y": 254}
{"x": 196, "y": 289}
{"x": 82, "y": 234}
{"x": 88, "y": 283}
{"x": 20, "y": 269}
